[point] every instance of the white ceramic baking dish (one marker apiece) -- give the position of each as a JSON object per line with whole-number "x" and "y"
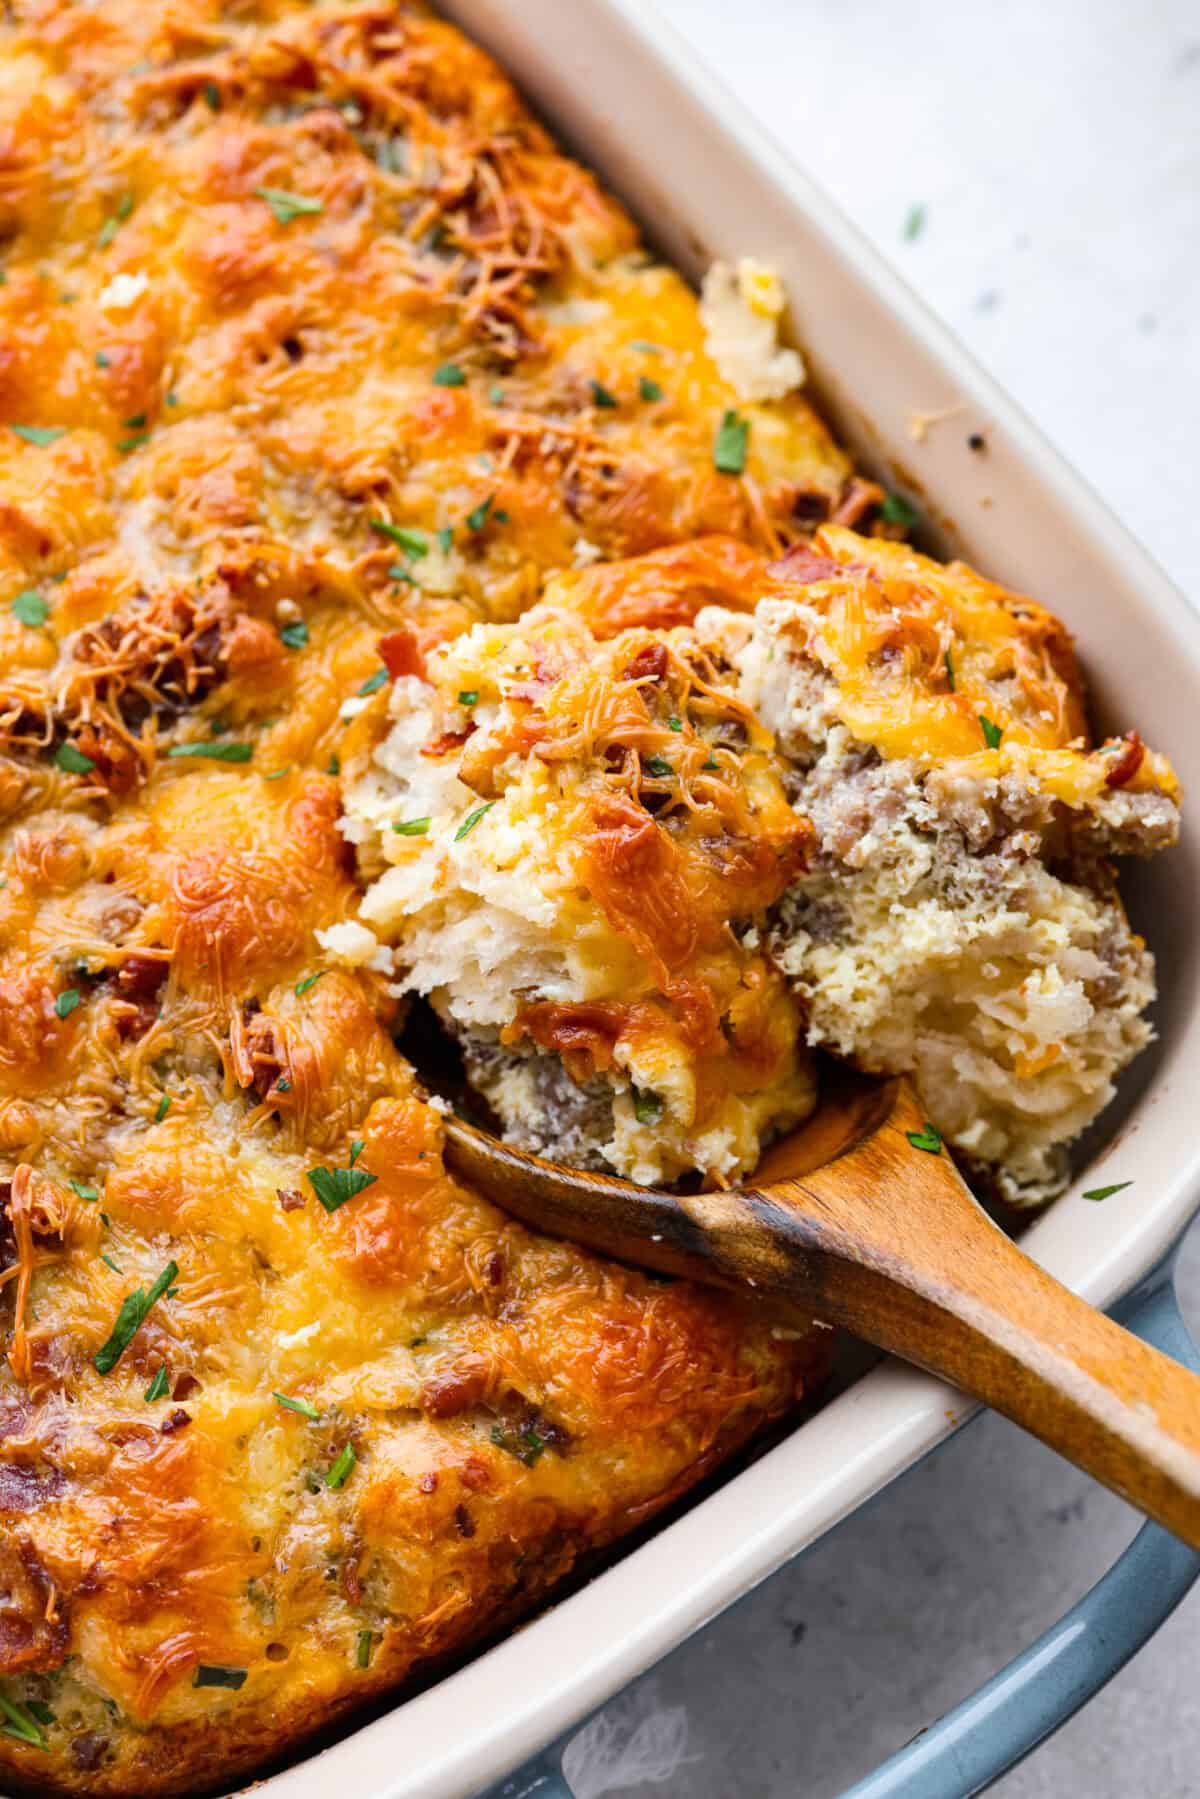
{"x": 617, "y": 85}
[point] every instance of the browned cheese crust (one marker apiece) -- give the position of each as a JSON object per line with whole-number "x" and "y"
{"x": 275, "y": 276}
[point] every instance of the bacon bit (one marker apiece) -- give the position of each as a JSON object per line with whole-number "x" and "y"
{"x": 802, "y": 563}
{"x": 475, "y": 1474}
{"x": 401, "y": 654}
{"x": 1126, "y": 765}
{"x": 290, "y": 1198}
{"x": 139, "y": 983}
{"x": 174, "y": 1421}
{"x": 649, "y": 664}
{"x": 456, "y": 1389}
{"x": 449, "y": 740}
{"x": 464, "y": 1521}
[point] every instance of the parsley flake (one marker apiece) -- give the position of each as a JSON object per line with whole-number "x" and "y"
{"x": 674, "y": 724}
{"x": 602, "y": 397}
{"x": 729, "y": 449}
{"x": 84, "y": 1191}
{"x": 899, "y": 511}
{"x": 647, "y": 1106}
{"x": 286, "y": 206}
{"x": 415, "y": 544}
{"x": 659, "y": 767}
{"x": 639, "y": 343}
{"x": 477, "y": 518}
{"x": 302, "y": 1406}
{"x": 20, "y": 1723}
{"x": 950, "y": 675}
{"x": 525, "y": 1445}
{"x": 31, "y": 608}
{"x": 411, "y": 827}
{"x": 207, "y": 1675}
{"x": 914, "y": 223}
{"x": 162, "y": 1108}
{"x": 363, "y": 1648}
{"x": 108, "y": 1261}
{"x": 1107, "y": 1192}
{"x": 649, "y": 390}
{"x": 468, "y": 696}
{"x": 158, "y": 1386}
{"x": 334, "y": 1186}
{"x": 67, "y": 1001}
{"x": 295, "y": 635}
{"x": 214, "y": 752}
{"x": 930, "y": 1139}
{"x": 496, "y": 396}
{"x": 212, "y": 95}
{"x": 992, "y": 733}
{"x": 449, "y": 375}
{"x": 102, "y": 361}
{"x": 445, "y": 539}
{"x": 277, "y": 774}
{"x": 73, "y": 761}
{"x": 135, "y": 1309}
{"x": 309, "y": 981}
{"x": 135, "y": 442}
{"x": 342, "y": 1469}
{"x": 39, "y": 434}
{"x": 471, "y": 820}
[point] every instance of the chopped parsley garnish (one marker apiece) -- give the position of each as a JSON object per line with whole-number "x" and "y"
{"x": 356, "y": 1149}
{"x": 1107, "y": 1192}
{"x": 108, "y": 1261}
{"x": 277, "y": 774}
{"x": 133, "y": 443}
{"x": 334, "y": 1186}
{"x": 301, "y": 1406}
{"x": 647, "y": 1106}
{"x": 31, "y": 608}
{"x": 172, "y": 398}
{"x": 639, "y": 343}
{"x": 711, "y": 764}
{"x": 525, "y": 1445}
{"x": 214, "y": 752}
{"x": 413, "y": 543}
{"x": 468, "y": 696}
{"x": 658, "y": 766}
{"x": 286, "y": 206}
{"x": 67, "y": 1001}
{"x": 212, "y": 94}
{"x": 309, "y": 981}
{"x": 40, "y": 1711}
{"x": 295, "y": 635}
{"x": 649, "y": 390}
{"x": 20, "y": 1723}
{"x": 496, "y": 396}
{"x": 162, "y": 1108}
{"x": 373, "y": 683}
{"x": 39, "y": 434}
{"x": 929, "y": 1139}
{"x": 729, "y": 450}
{"x": 674, "y": 724}
{"x": 158, "y": 1386}
{"x": 397, "y": 573}
{"x": 135, "y": 423}
{"x": 102, "y": 361}
{"x": 342, "y": 1469}
{"x": 83, "y": 1190}
{"x": 472, "y": 819}
{"x": 445, "y": 539}
{"x": 334, "y": 765}
{"x": 950, "y": 676}
{"x": 601, "y": 395}
{"x": 992, "y": 733}
{"x": 477, "y": 518}
{"x": 115, "y": 220}
{"x": 363, "y": 1648}
{"x": 135, "y": 1309}
{"x": 914, "y": 222}
{"x": 208, "y": 1675}
{"x": 449, "y": 375}
{"x": 411, "y": 827}
{"x": 73, "y": 761}
{"x": 899, "y": 511}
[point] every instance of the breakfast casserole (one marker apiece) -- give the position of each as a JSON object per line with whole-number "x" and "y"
{"x": 409, "y": 597}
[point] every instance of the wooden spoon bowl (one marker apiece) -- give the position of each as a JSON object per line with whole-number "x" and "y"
{"x": 853, "y": 1221}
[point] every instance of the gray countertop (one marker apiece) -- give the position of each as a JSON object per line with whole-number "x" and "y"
{"x": 1056, "y": 153}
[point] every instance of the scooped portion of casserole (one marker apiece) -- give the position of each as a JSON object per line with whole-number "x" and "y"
{"x": 939, "y": 899}
{"x": 572, "y": 841}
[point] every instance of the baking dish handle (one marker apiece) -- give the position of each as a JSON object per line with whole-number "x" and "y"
{"x": 985, "y": 1736}
{"x": 989, "y": 1733}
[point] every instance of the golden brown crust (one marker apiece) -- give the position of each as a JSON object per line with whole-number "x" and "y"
{"x": 238, "y": 243}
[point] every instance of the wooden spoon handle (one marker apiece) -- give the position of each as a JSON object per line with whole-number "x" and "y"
{"x": 893, "y": 1247}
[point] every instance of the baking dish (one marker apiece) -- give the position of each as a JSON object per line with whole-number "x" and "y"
{"x": 614, "y": 82}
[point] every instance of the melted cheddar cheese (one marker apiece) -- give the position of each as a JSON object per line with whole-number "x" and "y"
{"x": 308, "y": 336}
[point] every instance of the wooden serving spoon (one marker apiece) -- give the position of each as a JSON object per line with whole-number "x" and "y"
{"x": 853, "y": 1222}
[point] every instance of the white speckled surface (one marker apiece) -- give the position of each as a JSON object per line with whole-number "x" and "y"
{"x": 1056, "y": 151}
